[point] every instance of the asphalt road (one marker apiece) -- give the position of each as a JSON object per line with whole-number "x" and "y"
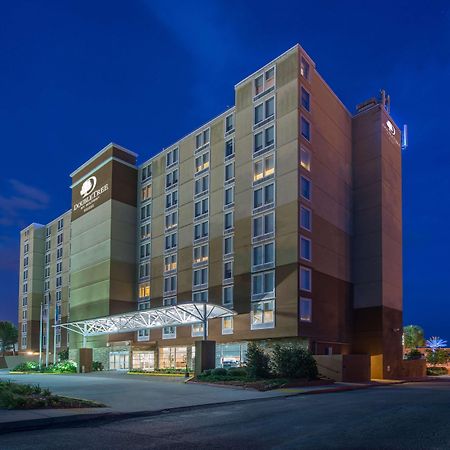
{"x": 409, "y": 416}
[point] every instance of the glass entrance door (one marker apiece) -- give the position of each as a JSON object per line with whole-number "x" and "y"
{"x": 144, "y": 360}
{"x": 119, "y": 360}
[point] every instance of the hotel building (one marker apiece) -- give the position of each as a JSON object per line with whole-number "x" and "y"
{"x": 286, "y": 209}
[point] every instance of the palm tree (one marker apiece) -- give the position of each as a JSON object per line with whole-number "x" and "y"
{"x": 413, "y": 336}
{"x": 8, "y": 336}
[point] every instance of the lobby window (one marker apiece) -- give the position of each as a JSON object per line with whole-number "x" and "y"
{"x": 264, "y": 224}
{"x": 305, "y": 218}
{"x": 202, "y": 162}
{"x": 144, "y": 270}
{"x": 171, "y": 199}
{"x": 305, "y": 128}
{"x": 170, "y": 241}
{"x": 227, "y": 270}
{"x": 200, "y": 254}
{"x": 202, "y": 139}
{"x": 146, "y": 212}
{"x": 305, "y": 248}
{"x": 228, "y": 221}
{"x": 229, "y": 148}
{"x": 169, "y": 301}
{"x": 60, "y": 224}
{"x": 264, "y": 139}
{"x": 227, "y": 295}
{"x": 200, "y": 277}
{"x": 229, "y": 172}
{"x": 171, "y": 220}
{"x": 305, "y": 308}
{"x": 170, "y": 284}
{"x": 263, "y": 255}
{"x": 145, "y": 231}
{"x": 264, "y": 111}
{"x": 227, "y": 325}
{"x": 172, "y": 157}
{"x": 229, "y": 123}
{"x": 264, "y": 196}
{"x": 305, "y": 99}
{"x": 201, "y": 185}
{"x": 169, "y": 332}
{"x": 263, "y": 285}
{"x": 170, "y": 262}
{"x": 264, "y": 81}
{"x": 200, "y": 297}
{"x": 304, "y": 68}
{"x": 305, "y": 188}
{"x": 305, "y": 279}
{"x": 263, "y": 315}
{"x": 264, "y": 167}
{"x": 144, "y": 290}
{"x": 201, "y": 230}
{"x": 305, "y": 159}
{"x": 201, "y": 207}
{"x": 146, "y": 172}
{"x": 228, "y": 246}
{"x": 229, "y": 196}
{"x": 172, "y": 179}
{"x": 146, "y": 192}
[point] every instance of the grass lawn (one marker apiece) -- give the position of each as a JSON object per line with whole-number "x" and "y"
{"x": 27, "y": 396}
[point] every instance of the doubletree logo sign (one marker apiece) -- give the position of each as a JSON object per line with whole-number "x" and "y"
{"x": 391, "y": 131}
{"x": 90, "y": 194}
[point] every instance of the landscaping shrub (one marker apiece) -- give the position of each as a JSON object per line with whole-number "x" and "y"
{"x": 219, "y": 372}
{"x": 237, "y": 372}
{"x": 63, "y": 355}
{"x": 413, "y": 354}
{"x": 206, "y": 372}
{"x": 257, "y": 362}
{"x": 29, "y": 366}
{"x": 63, "y": 367}
{"x": 97, "y": 366}
{"x": 293, "y": 361}
{"x": 435, "y": 371}
{"x": 437, "y": 356}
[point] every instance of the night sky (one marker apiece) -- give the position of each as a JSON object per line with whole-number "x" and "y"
{"x": 76, "y": 75}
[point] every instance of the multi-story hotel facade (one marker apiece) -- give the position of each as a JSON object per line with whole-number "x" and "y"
{"x": 286, "y": 209}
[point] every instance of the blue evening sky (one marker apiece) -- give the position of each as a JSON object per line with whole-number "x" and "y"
{"x": 75, "y": 75}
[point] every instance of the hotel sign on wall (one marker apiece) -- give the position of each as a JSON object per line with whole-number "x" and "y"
{"x": 391, "y": 132}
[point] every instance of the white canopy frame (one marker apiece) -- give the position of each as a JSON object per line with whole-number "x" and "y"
{"x": 176, "y": 315}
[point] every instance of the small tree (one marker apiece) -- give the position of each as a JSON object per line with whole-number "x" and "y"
{"x": 257, "y": 362}
{"x": 293, "y": 361}
{"x": 413, "y": 336}
{"x": 8, "y": 336}
{"x": 437, "y": 357}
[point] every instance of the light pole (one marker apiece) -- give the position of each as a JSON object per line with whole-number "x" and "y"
{"x": 40, "y": 338}
{"x": 47, "y": 334}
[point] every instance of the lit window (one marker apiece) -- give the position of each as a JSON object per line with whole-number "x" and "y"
{"x": 202, "y": 162}
{"x": 229, "y": 171}
{"x": 227, "y": 325}
{"x": 197, "y": 330}
{"x": 264, "y": 224}
{"x": 305, "y": 279}
{"x": 170, "y": 262}
{"x": 305, "y": 128}
{"x": 305, "y": 248}
{"x": 305, "y": 99}
{"x": 263, "y": 285}
{"x": 227, "y": 295}
{"x": 304, "y": 68}
{"x": 305, "y": 309}
{"x": 200, "y": 254}
{"x": 263, "y": 168}
{"x": 144, "y": 290}
{"x": 146, "y": 192}
{"x": 305, "y": 188}
{"x": 202, "y": 139}
{"x": 305, "y": 159}
{"x": 263, "y": 315}
{"x": 305, "y": 218}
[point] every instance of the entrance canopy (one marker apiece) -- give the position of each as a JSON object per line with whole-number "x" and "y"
{"x": 176, "y": 315}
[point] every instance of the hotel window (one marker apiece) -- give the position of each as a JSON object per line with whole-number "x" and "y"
{"x": 264, "y": 224}
{"x": 305, "y": 128}
{"x": 201, "y": 185}
{"x": 201, "y": 230}
{"x": 144, "y": 270}
{"x": 24, "y": 328}
{"x": 170, "y": 284}
{"x": 200, "y": 277}
{"x": 202, "y": 162}
{"x": 201, "y": 207}
{"x": 305, "y": 309}
{"x": 169, "y": 332}
{"x": 146, "y": 192}
{"x": 171, "y": 220}
{"x": 265, "y": 81}
{"x": 25, "y": 248}
{"x": 47, "y": 246}
{"x": 264, "y": 111}
{"x": 229, "y": 172}
{"x": 172, "y": 157}
{"x": 59, "y": 253}
{"x": 227, "y": 295}
{"x": 58, "y": 281}
{"x": 305, "y": 248}
{"x": 24, "y": 314}
{"x": 60, "y": 224}
{"x": 304, "y": 68}
{"x": 145, "y": 231}
{"x": 305, "y": 99}
{"x": 227, "y": 270}
{"x": 144, "y": 290}
{"x": 229, "y": 148}
{"x": 48, "y": 232}
{"x": 46, "y": 285}
{"x": 264, "y": 196}
{"x": 145, "y": 250}
{"x": 47, "y": 258}
{"x": 227, "y": 325}
{"x": 200, "y": 297}
{"x": 24, "y": 342}
{"x": 305, "y": 279}
{"x": 228, "y": 246}
{"x": 146, "y": 212}
{"x": 202, "y": 139}
{"x": 59, "y": 267}
{"x": 169, "y": 301}
{"x": 263, "y": 254}
{"x": 24, "y": 301}
{"x": 229, "y": 123}
{"x": 170, "y": 241}
{"x": 200, "y": 254}
{"x": 197, "y": 330}
{"x": 58, "y": 296}
{"x": 143, "y": 335}
{"x": 170, "y": 262}
{"x": 25, "y": 274}
{"x": 228, "y": 221}
{"x": 171, "y": 199}
{"x": 47, "y": 271}
{"x": 305, "y": 159}
{"x": 263, "y": 285}
{"x": 146, "y": 172}
{"x": 172, "y": 179}
{"x": 305, "y": 218}
{"x": 263, "y": 315}
{"x": 305, "y": 188}
{"x": 229, "y": 196}
{"x": 263, "y": 168}
{"x": 25, "y": 287}
{"x": 264, "y": 139}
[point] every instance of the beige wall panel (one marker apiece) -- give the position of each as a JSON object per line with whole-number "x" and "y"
{"x": 287, "y": 68}
{"x": 244, "y": 95}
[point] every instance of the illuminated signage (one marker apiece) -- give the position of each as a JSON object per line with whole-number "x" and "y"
{"x": 390, "y": 127}
{"x": 89, "y": 194}
{"x": 391, "y": 131}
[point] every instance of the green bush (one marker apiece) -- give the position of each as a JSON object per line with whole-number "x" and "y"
{"x": 437, "y": 357}
{"x": 62, "y": 367}
{"x": 97, "y": 366}
{"x": 206, "y": 372}
{"x": 413, "y": 354}
{"x": 293, "y": 361}
{"x": 29, "y": 366}
{"x": 219, "y": 372}
{"x": 257, "y": 362}
{"x": 435, "y": 371}
{"x": 237, "y": 372}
